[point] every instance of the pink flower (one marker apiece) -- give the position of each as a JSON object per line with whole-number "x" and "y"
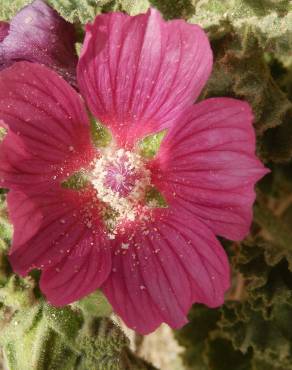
{"x": 38, "y": 34}
{"x": 138, "y": 76}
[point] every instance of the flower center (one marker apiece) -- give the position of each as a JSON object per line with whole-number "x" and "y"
{"x": 121, "y": 180}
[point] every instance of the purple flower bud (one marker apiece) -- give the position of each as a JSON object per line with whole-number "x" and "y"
{"x": 39, "y": 34}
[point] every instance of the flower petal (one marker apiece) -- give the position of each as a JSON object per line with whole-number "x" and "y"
{"x": 208, "y": 166}
{"x": 4, "y": 30}
{"x": 79, "y": 273}
{"x": 49, "y": 134}
{"x": 165, "y": 269}
{"x": 38, "y": 34}
{"x": 52, "y": 227}
{"x": 139, "y": 73}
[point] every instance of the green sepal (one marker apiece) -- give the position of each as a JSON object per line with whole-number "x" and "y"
{"x": 3, "y": 132}
{"x": 95, "y": 304}
{"x": 154, "y": 198}
{"x": 100, "y": 135}
{"x": 75, "y": 182}
{"x": 149, "y": 145}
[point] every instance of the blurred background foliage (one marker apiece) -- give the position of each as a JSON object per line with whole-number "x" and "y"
{"x": 252, "y": 44}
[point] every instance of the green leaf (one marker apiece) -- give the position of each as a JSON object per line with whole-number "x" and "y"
{"x": 29, "y": 343}
{"x": 194, "y": 336}
{"x": 275, "y": 228}
{"x": 254, "y": 330}
{"x": 9, "y": 8}
{"x": 107, "y": 348}
{"x": 174, "y": 8}
{"x": 43, "y": 337}
{"x": 241, "y": 71}
{"x": 94, "y": 305}
{"x": 277, "y": 142}
{"x": 221, "y": 355}
{"x": 17, "y": 292}
{"x": 78, "y": 11}
{"x": 149, "y": 146}
{"x": 63, "y": 321}
{"x": 134, "y": 7}
{"x": 270, "y": 21}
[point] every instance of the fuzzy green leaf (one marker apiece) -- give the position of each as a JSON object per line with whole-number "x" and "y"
{"x": 134, "y": 7}
{"x": 29, "y": 343}
{"x": 18, "y": 292}
{"x": 174, "y": 8}
{"x": 194, "y": 336}
{"x": 78, "y": 11}
{"x": 48, "y": 338}
{"x": 9, "y": 8}
{"x": 271, "y": 21}
{"x": 63, "y": 321}
{"x": 94, "y": 305}
{"x": 241, "y": 71}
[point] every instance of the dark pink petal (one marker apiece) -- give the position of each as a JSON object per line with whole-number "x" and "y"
{"x": 45, "y": 227}
{"x": 139, "y": 73}
{"x": 79, "y": 273}
{"x": 39, "y": 34}
{"x": 48, "y": 125}
{"x": 4, "y": 30}
{"x": 207, "y": 165}
{"x": 174, "y": 263}
{"x": 52, "y": 230}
